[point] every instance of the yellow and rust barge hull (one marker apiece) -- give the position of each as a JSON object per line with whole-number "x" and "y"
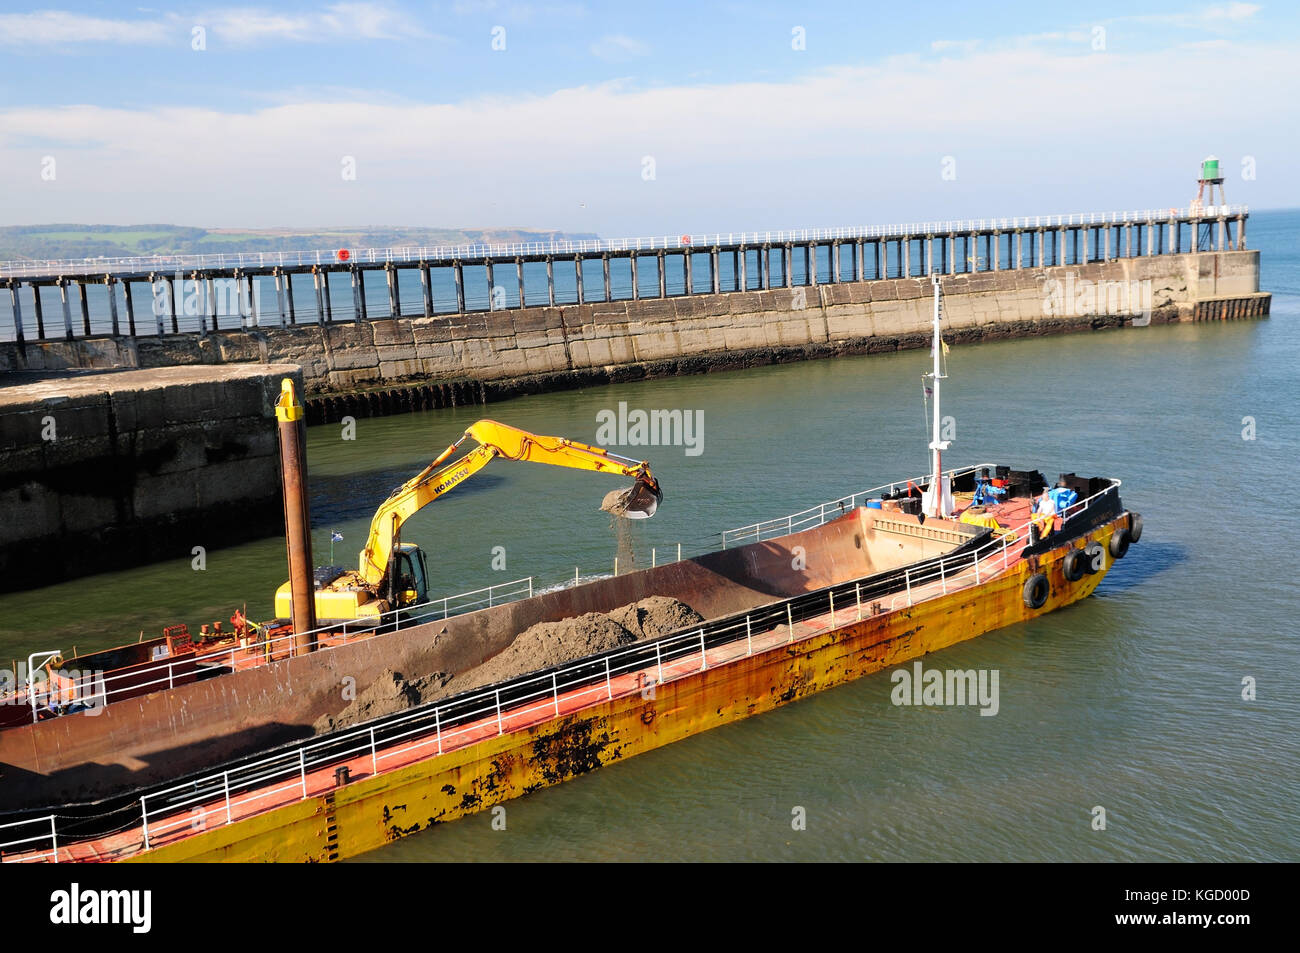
{"x": 368, "y": 813}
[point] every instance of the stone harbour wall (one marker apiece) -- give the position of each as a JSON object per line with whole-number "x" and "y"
{"x": 120, "y": 468}
{"x": 593, "y": 341}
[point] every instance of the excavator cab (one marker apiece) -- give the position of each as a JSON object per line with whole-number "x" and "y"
{"x": 411, "y": 575}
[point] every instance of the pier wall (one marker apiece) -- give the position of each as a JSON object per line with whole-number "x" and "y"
{"x": 622, "y": 339}
{"x": 120, "y": 468}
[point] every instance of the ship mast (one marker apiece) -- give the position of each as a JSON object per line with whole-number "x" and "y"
{"x": 935, "y": 503}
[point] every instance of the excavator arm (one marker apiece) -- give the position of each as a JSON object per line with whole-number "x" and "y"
{"x": 499, "y": 440}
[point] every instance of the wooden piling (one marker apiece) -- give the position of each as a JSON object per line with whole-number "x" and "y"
{"x": 14, "y": 291}
{"x": 85, "y": 308}
{"x": 67, "y": 309}
{"x": 209, "y": 301}
{"x": 426, "y": 288}
{"x": 316, "y": 278}
{"x": 279, "y": 296}
{"x": 394, "y": 302}
{"x": 254, "y": 312}
{"x": 112, "y": 307}
{"x": 288, "y": 295}
{"x": 39, "y": 311}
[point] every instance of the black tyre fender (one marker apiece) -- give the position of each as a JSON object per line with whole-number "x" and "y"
{"x": 1135, "y": 528}
{"x": 1119, "y": 541}
{"x": 1094, "y": 558}
{"x": 1073, "y": 565}
{"x": 1037, "y": 591}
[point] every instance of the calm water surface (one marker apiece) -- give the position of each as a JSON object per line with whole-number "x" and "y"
{"x": 1130, "y": 700}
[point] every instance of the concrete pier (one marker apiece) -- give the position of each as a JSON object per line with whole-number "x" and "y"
{"x": 184, "y": 291}
{"x": 634, "y": 337}
{"x": 121, "y": 468}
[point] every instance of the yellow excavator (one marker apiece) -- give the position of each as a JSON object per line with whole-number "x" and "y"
{"x": 394, "y": 575}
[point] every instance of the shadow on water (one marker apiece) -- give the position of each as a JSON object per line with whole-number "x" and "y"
{"x": 357, "y": 495}
{"x": 1151, "y": 560}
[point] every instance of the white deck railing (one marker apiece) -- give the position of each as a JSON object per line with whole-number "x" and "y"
{"x": 95, "y": 690}
{"x": 105, "y": 688}
{"x": 816, "y": 515}
{"x": 446, "y": 724}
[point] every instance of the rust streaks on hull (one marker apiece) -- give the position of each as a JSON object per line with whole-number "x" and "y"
{"x": 499, "y": 767}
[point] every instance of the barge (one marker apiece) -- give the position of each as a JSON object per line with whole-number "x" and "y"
{"x": 791, "y": 607}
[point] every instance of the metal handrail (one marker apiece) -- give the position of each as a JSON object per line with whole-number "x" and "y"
{"x": 944, "y": 569}
{"x": 51, "y": 835}
{"x": 809, "y": 518}
{"x": 216, "y": 789}
{"x": 800, "y": 519}
{"x": 408, "y": 254}
{"x": 102, "y": 694}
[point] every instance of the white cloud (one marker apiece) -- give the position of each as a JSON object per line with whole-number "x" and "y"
{"x": 1232, "y": 11}
{"x": 1216, "y": 18}
{"x": 966, "y": 46}
{"x": 367, "y": 21}
{"x": 618, "y": 48}
{"x": 57, "y": 27}
{"x": 238, "y": 26}
{"x": 1033, "y": 131}
{"x": 518, "y": 12}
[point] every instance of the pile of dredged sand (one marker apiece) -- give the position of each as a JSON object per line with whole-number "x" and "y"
{"x": 540, "y": 646}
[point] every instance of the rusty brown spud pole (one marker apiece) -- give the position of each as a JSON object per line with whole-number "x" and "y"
{"x": 292, "y": 427}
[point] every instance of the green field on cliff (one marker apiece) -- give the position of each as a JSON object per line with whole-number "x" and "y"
{"x": 116, "y": 241}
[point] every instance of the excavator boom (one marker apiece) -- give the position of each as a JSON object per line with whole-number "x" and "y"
{"x": 499, "y": 440}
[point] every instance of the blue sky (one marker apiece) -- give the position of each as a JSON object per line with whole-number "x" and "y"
{"x": 631, "y": 119}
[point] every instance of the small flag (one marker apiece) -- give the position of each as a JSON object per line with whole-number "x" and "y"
{"x": 336, "y": 537}
{"x": 945, "y": 347}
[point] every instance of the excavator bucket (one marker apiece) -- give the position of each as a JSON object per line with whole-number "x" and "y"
{"x": 636, "y": 502}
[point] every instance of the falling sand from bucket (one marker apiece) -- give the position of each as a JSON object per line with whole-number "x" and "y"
{"x": 616, "y": 504}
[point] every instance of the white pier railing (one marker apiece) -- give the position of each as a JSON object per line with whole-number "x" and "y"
{"x": 409, "y": 254}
